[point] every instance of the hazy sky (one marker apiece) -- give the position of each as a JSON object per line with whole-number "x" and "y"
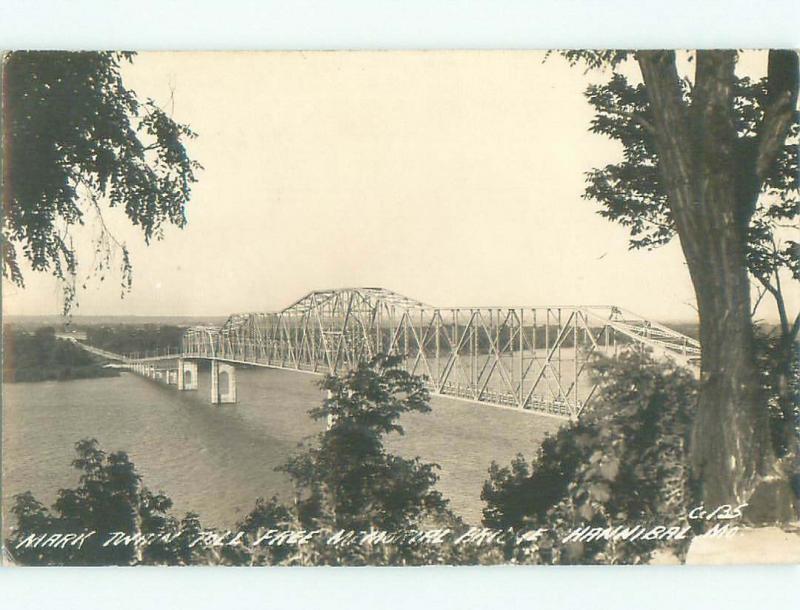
{"x": 454, "y": 178}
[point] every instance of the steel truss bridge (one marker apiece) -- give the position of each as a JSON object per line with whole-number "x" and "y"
{"x": 532, "y": 358}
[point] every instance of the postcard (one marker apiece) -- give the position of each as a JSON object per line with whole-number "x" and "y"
{"x": 400, "y": 308}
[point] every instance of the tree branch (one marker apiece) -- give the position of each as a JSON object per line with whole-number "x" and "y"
{"x": 673, "y": 142}
{"x": 777, "y": 294}
{"x": 779, "y": 300}
{"x": 761, "y": 294}
{"x": 766, "y": 284}
{"x": 783, "y": 79}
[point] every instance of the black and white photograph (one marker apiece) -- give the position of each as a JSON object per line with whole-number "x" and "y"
{"x": 400, "y": 308}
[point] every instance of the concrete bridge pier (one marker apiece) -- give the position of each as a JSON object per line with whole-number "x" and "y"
{"x": 187, "y": 374}
{"x": 223, "y": 383}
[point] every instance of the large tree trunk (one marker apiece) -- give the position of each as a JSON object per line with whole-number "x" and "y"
{"x": 731, "y": 447}
{"x": 697, "y": 145}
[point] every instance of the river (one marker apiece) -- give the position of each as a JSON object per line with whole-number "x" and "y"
{"x": 216, "y": 460}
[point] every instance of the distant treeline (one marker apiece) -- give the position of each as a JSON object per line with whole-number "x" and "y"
{"x": 127, "y": 339}
{"x": 41, "y": 356}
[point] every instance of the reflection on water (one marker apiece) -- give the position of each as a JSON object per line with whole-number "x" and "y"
{"x": 217, "y": 460}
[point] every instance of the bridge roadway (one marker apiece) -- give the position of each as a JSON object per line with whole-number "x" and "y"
{"x": 534, "y": 359}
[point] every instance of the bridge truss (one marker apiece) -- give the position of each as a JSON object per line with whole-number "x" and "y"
{"x": 532, "y": 358}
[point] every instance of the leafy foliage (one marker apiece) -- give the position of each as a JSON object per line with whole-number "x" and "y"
{"x": 631, "y": 192}
{"x": 76, "y": 140}
{"x": 594, "y": 59}
{"x": 348, "y": 480}
{"x": 623, "y": 462}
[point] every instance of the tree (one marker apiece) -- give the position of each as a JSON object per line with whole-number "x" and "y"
{"x": 76, "y": 140}
{"x": 713, "y": 160}
{"x": 348, "y": 481}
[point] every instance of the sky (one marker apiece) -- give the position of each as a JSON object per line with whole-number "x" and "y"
{"x": 452, "y": 177}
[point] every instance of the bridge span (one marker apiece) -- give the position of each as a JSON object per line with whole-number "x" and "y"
{"x": 530, "y": 358}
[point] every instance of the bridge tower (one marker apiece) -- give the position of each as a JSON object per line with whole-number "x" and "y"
{"x": 223, "y": 383}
